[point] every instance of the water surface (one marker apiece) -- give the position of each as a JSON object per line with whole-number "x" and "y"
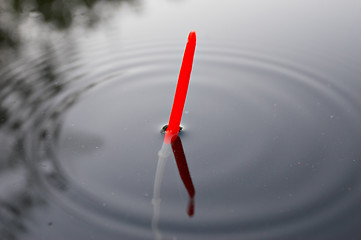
{"x": 271, "y": 124}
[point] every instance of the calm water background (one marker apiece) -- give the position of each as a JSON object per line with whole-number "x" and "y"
{"x": 271, "y": 124}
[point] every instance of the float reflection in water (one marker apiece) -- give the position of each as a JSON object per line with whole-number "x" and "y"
{"x": 164, "y": 154}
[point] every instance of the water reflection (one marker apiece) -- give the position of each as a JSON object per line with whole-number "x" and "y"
{"x": 22, "y": 20}
{"x": 19, "y": 101}
{"x": 25, "y": 111}
{"x": 29, "y": 89}
{"x": 177, "y": 148}
{"x": 181, "y": 161}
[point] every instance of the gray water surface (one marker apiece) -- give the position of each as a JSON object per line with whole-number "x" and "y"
{"x": 271, "y": 124}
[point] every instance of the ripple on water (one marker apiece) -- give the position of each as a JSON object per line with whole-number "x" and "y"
{"x": 271, "y": 146}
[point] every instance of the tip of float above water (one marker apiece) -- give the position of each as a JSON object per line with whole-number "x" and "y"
{"x": 192, "y": 36}
{"x": 181, "y": 89}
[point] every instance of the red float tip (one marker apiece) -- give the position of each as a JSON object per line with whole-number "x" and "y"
{"x": 181, "y": 90}
{"x": 192, "y": 36}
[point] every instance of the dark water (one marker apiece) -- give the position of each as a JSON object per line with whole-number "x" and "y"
{"x": 271, "y": 142}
